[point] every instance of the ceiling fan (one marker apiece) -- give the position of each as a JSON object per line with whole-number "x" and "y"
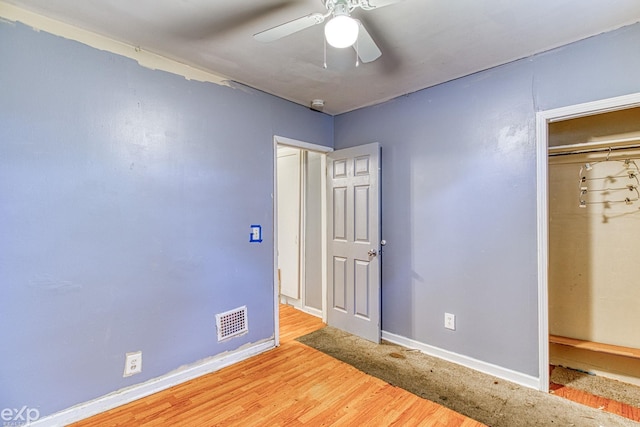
{"x": 340, "y": 31}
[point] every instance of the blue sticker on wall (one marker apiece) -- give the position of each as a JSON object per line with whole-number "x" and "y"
{"x": 256, "y": 234}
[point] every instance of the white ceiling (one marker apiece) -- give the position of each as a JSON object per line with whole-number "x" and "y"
{"x": 423, "y": 42}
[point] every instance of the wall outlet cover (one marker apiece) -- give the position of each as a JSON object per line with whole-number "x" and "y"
{"x": 450, "y": 321}
{"x": 132, "y": 363}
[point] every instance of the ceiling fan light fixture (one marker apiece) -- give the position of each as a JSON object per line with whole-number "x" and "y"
{"x": 341, "y": 31}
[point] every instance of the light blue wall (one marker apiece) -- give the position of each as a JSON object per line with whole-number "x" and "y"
{"x": 126, "y": 196}
{"x": 459, "y": 194}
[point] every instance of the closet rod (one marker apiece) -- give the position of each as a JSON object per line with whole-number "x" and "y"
{"x": 594, "y": 147}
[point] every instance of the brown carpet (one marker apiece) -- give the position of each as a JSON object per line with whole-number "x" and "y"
{"x": 490, "y": 400}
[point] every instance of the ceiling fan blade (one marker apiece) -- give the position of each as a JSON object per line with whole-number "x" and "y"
{"x": 376, "y": 4}
{"x": 290, "y": 27}
{"x": 367, "y": 49}
{"x": 198, "y": 23}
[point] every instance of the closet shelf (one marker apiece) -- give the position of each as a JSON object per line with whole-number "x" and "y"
{"x": 596, "y": 346}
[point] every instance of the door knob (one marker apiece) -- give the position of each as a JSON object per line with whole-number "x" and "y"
{"x": 372, "y": 252}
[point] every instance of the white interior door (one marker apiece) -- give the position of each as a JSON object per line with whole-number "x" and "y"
{"x": 353, "y": 241}
{"x": 288, "y": 182}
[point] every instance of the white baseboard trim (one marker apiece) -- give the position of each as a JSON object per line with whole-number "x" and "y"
{"x": 312, "y": 311}
{"x": 297, "y": 304}
{"x": 469, "y": 362}
{"x": 129, "y": 394}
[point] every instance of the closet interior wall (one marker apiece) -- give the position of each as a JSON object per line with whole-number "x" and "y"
{"x": 594, "y": 236}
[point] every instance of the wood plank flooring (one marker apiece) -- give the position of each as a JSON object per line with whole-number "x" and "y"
{"x": 292, "y": 385}
{"x": 593, "y": 401}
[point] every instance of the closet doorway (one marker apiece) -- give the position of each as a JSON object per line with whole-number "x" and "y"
{"x": 300, "y": 243}
{"x": 588, "y": 220}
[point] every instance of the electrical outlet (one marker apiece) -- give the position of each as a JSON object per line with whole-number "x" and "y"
{"x": 450, "y": 321}
{"x": 132, "y": 363}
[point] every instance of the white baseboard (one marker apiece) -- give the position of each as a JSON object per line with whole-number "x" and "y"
{"x": 129, "y": 394}
{"x": 297, "y": 304}
{"x": 312, "y": 311}
{"x": 478, "y": 365}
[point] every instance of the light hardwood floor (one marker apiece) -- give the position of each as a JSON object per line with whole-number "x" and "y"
{"x": 603, "y": 403}
{"x": 292, "y": 385}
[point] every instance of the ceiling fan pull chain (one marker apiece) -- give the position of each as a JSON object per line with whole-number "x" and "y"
{"x": 325, "y": 53}
{"x": 357, "y": 54}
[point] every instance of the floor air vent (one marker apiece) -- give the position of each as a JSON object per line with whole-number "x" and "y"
{"x": 232, "y": 323}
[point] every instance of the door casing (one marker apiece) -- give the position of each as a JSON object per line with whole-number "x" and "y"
{"x": 543, "y": 118}
{"x": 280, "y": 140}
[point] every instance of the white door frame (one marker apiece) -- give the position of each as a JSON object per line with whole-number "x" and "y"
{"x": 281, "y": 140}
{"x": 543, "y": 118}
